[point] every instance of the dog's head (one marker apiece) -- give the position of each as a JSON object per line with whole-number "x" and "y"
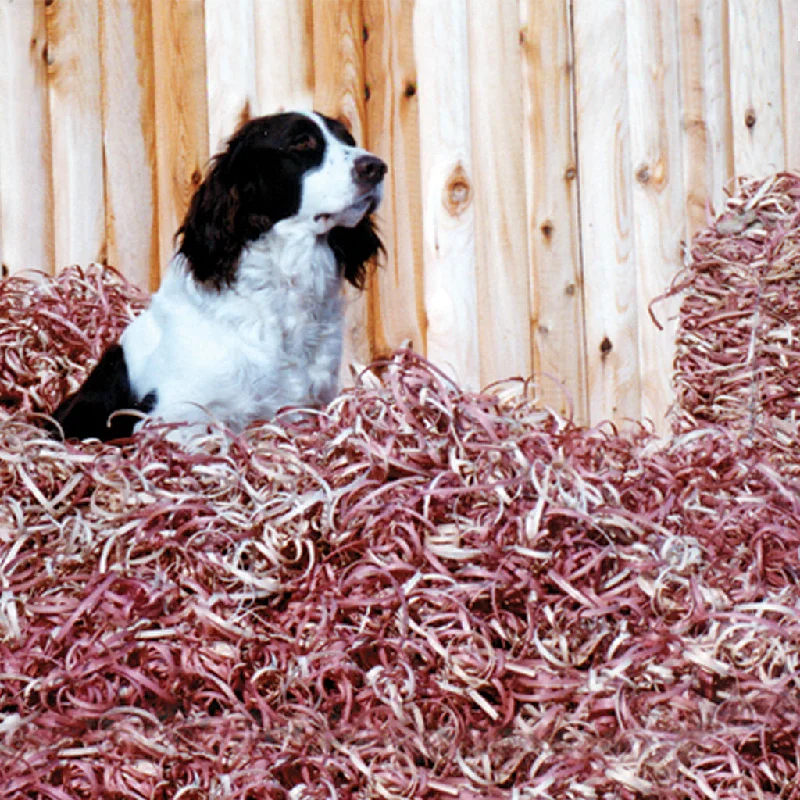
{"x": 303, "y": 166}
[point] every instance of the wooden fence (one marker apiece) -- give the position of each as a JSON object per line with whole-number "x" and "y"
{"x": 548, "y": 157}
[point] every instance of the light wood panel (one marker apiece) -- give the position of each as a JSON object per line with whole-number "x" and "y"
{"x": 604, "y": 174}
{"x": 397, "y": 310}
{"x": 756, "y": 96}
{"x": 705, "y": 88}
{"x": 546, "y": 158}
{"x": 658, "y": 190}
{"x": 26, "y": 192}
{"x": 790, "y": 59}
{"x": 73, "y": 64}
{"x": 339, "y": 92}
{"x": 181, "y": 111}
{"x": 503, "y": 267}
{"x": 128, "y": 94}
{"x": 230, "y": 67}
{"x": 448, "y": 210}
{"x": 559, "y": 334}
{"x": 283, "y": 49}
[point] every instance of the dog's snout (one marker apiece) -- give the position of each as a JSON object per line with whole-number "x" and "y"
{"x": 369, "y": 170}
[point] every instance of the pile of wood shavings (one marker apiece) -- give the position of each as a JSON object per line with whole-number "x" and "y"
{"x": 419, "y": 593}
{"x": 738, "y": 345}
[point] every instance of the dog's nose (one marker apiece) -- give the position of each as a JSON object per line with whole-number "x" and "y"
{"x": 369, "y": 170}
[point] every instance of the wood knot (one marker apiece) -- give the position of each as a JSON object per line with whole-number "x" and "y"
{"x": 605, "y": 347}
{"x": 570, "y": 289}
{"x": 643, "y": 174}
{"x": 457, "y": 192}
{"x": 547, "y": 229}
{"x": 570, "y": 174}
{"x": 411, "y": 89}
{"x": 48, "y": 57}
{"x": 197, "y": 178}
{"x": 750, "y": 118}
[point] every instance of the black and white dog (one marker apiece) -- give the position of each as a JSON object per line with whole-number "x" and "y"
{"x": 249, "y": 315}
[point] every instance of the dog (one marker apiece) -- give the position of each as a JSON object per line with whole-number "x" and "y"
{"x": 249, "y": 316}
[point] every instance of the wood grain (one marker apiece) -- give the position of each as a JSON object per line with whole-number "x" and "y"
{"x": 397, "y": 303}
{"x": 181, "y": 111}
{"x": 658, "y": 193}
{"x": 73, "y": 58}
{"x": 26, "y": 189}
{"x": 604, "y": 175}
{"x": 230, "y": 67}
{"x": 503, "y": 271}
{"x": 283, "y": 51}
{"x": 339, "y": 91}
{"x": 448, "y": 211}
{"x": 559, "y": 335}
{"x": 756, "y": 96}
{"x": 705, "y": 90}
{"x": 129, "y": 138}
{"x": 790, "y": 30}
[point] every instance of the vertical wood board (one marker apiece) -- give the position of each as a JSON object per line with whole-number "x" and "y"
{"x": 397, "y": 304}
{"x": 181, "y": 112}
{"x": 339, "y": 83}
{"x": 73, "y": 42}
{"x": 283, "y": 54}
{"x": 756, "y": 87}
{"x": 230, "y": 67}
{"x": 26, "y": 189}
{"x": 129, "y": 138}
{"x": 447, "y": 182}
{"x": 658, "y": 192}
{"x": 604, "y": 162}
{"x": 790, "y": 58}
{"x": 504, "y": 300}
{"x": 705, "y": 94}
{"x": 553, "y": 226}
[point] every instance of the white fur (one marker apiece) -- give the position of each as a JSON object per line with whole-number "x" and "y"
{"x": 271, "y": 339}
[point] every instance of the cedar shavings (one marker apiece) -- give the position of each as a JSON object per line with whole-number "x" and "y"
{"x": 415, "y": 593}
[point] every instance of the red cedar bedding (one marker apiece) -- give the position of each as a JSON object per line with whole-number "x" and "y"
{"x": 418, "y": 593}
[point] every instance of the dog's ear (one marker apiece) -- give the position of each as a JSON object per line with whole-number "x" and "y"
{"x": 228, "y": 210}
{"x": 354, "y": 249}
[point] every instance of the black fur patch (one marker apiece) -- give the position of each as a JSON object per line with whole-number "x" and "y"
{"x": 86, "y": 413}
{"x": 252, "y": 184}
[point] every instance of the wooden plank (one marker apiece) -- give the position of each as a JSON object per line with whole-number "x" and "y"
{"x": 448, "y": 211}
{"x": 338, "y": 30}
{"x": 230, "y": 67}
{"x": 77, "y": 136}
{"x": 604, "y": 159}
{"x": 705, "y": 90}
{"x": 398, "y": 311}
{"x": 129, "y": 138}
{"x": 658, "y": 193}
{"x": 284, "y": 65}
{"x": 790, "y": 28}
{"x": 756, "y": 102}
{"x": 504, "y": 300}
{"x": 26, "y": 190}
{"x": 559, "y": 336}
{"x": 181, "y": 111}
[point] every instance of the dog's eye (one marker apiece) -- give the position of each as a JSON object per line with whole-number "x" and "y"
{"x": 303, "y": 142}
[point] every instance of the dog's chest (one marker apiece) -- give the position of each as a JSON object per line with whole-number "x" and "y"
{"x": 287, "y": 297}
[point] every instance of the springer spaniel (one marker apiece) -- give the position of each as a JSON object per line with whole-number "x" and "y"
{"x": 249, "y": 316}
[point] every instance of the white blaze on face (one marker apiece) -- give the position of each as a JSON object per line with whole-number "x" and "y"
{"x": 331, "y": 195}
